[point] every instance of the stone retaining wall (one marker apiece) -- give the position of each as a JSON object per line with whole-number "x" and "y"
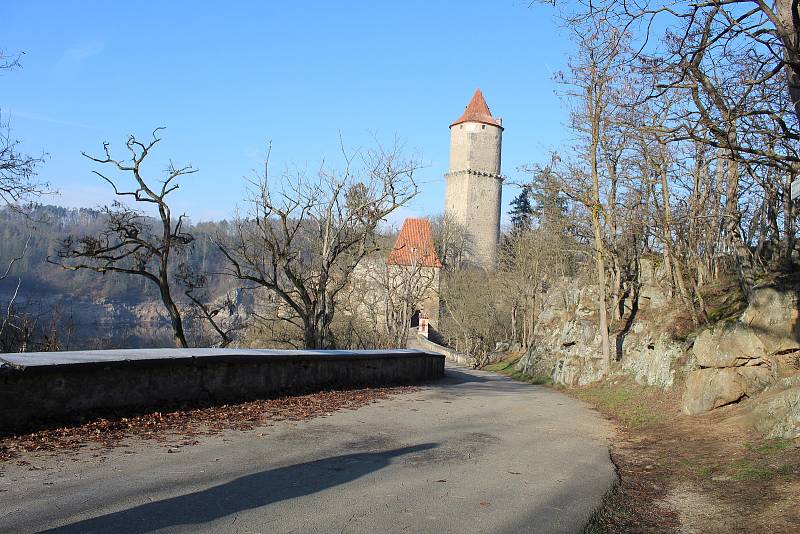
{"x": 419, "y": 342}
{"x": 45, "y": 387}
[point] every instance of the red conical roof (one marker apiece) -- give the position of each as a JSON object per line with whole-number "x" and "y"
{"x": 477, "y": 111}
{"x": 414, "y": 245}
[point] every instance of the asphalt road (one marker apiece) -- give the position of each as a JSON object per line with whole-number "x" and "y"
{"x": 474, "y": 452}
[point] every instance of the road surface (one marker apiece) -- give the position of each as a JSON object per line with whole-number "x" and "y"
{"x": 474, "y": 452}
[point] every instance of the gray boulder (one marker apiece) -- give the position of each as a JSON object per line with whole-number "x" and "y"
{"x": 711, "y": 388}
{"x": 777, "y": 414}
{"x": 728, "y": 347}
{"x": 773, "y": 316}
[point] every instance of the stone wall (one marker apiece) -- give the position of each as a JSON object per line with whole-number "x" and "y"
{"x": 475, "y": 146}
{"x": 473, "y": 200}
{"x": 419, "y": 342}
{"x": 45, "y": 387}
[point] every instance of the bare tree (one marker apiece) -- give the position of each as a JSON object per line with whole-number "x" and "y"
{"x": 592, "y": 84}
{"x": 130, "y": 245}
{"x": 475, "y": 314}
{"x": 220, "y": 315}
{"x": 18, "y": 178}
{"x": 452, "y": 241}
{"x": 303, "y": 239}
{"x": 733, "y": 68}
{"x": 19, "y": 185}
{"x": 405, "y": 289}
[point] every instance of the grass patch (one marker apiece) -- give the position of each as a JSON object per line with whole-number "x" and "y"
{"x": 770, "y": 446}
{"x": 698, "y": 468}
{"x": 508, "y": 368}
{"x": 628, "y": 404}
{"x": 742, "y": 470}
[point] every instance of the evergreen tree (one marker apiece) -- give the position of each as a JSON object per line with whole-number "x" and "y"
{"x": 521, "y": 210}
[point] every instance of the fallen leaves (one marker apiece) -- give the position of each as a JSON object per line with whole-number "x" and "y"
{"x": 189, "y": 423}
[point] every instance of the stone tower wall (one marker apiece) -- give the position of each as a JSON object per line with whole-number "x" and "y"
{"x": 474, "y": 187}
{"x": 475, "y": 146}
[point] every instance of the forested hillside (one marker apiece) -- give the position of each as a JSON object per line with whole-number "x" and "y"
{"x": 45, "y": 227}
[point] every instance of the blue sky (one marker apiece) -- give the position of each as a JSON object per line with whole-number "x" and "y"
{"x": 225, "y": 77}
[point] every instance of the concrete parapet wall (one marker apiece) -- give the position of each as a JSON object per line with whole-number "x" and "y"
{"x": 44, "y": 387}
{"x": 420, "y": 342}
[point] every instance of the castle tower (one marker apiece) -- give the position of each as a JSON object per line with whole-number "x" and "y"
{"x": 474, "y": 183}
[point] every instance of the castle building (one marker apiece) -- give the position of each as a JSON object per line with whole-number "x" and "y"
{"x": 413, "y": 268}
{"x": 473, "y": 182}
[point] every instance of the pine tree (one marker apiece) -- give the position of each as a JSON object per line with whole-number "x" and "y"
{"x": 521, "y": 210}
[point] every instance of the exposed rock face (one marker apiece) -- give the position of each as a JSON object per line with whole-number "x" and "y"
{"x": 742, "y": 359}
{"x": 651, "y": 291}
{"x": 777, "y": 414}
{"x": 652, "y": 363}
{"x": 568, "y": 347}
{"x": 578, "y": 370}
{"x": 568, "y": 354}
{"x": 756, "y": 356}
{"x": 728, "y": 347}
{"x": 773, "y": 316}
{"x": 711, "y": 388}
{"x": 726, "y": 364}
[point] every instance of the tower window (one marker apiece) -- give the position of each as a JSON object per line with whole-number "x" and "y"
{"x": 483, "y": 126}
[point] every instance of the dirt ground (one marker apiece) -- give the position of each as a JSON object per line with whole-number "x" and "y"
{"x": 683, "y": 473}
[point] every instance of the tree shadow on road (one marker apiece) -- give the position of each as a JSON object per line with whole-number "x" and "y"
{"x": 453, "y": 375}
{"x": 243, "y": 493}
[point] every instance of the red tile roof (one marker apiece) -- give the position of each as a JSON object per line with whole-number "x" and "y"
{"x": 414, "y": 245}
{"x": 477, "y": 111}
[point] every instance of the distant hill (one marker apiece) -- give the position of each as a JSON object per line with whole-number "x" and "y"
{"x": 46, "y": 226}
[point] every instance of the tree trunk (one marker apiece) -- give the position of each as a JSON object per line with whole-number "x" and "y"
{"x": 788, "y": 223}
{"x": 789, "y": 33}
{"x": 733, "y": 232}
{"x": 174, "y": 316}
{"x": 601, "y": 286}
{"x": 594, "y": 114}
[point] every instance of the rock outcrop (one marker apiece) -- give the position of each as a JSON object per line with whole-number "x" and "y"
{"x": 739, "y": 360}
{"x": 652, "y": 362}
{"x": 567, "y": 349}
{"x": 711, "y": 388}
{"x": 777, "y": 413}
{"x": 755, "y": 356}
